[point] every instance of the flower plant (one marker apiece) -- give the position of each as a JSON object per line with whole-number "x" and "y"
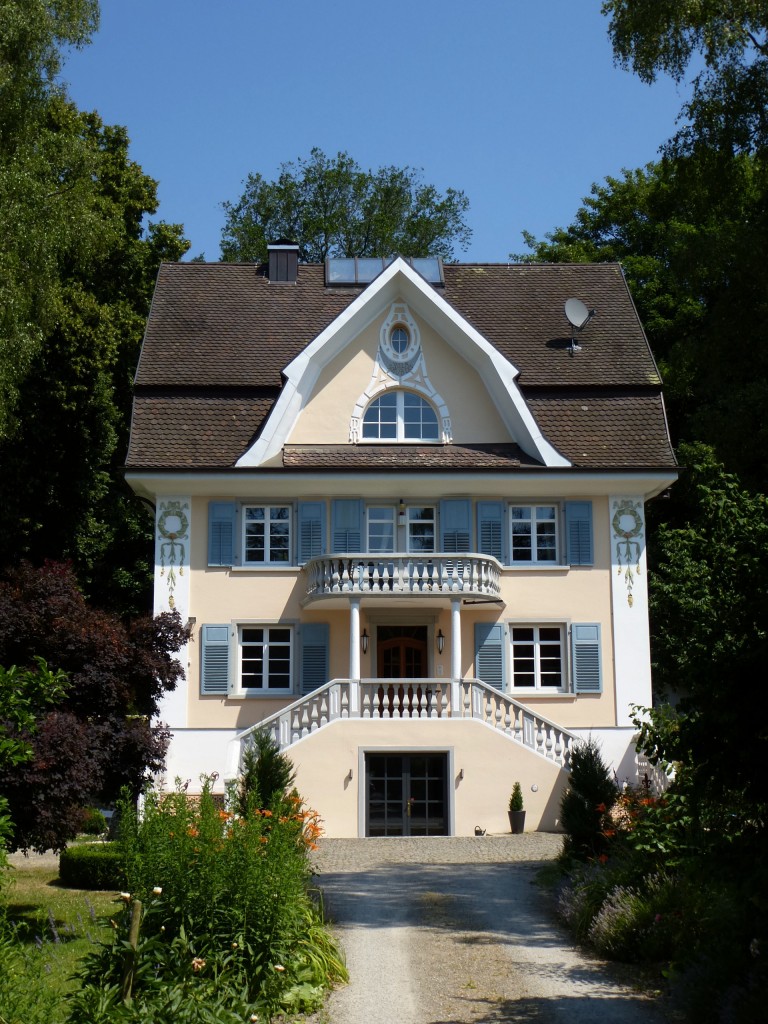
{"x": 228, "y": 919}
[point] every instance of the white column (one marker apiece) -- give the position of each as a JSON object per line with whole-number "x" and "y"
{"x": 629, "y": 598}
{"x": 455, "y": 656}
{"x": 173, "y": 522}
{"x": 354, "y": 638}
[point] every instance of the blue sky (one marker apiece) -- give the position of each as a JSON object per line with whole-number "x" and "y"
{"x": 517, "y": 102}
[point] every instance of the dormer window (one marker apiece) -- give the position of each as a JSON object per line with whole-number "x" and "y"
{"x": 400, "y": 416}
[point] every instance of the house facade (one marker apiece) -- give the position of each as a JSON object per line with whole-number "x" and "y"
{"x": 402, "y": 506}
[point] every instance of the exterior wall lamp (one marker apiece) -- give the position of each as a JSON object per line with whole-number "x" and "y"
{"x": 440, "y": 641}
{"x": 364, "y": 638}
{"x": 401, "y": 513}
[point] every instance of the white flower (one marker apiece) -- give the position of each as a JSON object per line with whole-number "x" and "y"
{"x": 157, "y": 890}
{"x": 279, "y": 967}
{"x": 126, "y": 896}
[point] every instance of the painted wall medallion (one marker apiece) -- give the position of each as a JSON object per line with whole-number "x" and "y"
{"x": 173, "y": 536}
{"x": 627, "y": 526}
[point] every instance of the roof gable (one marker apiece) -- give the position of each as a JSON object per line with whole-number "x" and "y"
{"x": 399, "y": 282}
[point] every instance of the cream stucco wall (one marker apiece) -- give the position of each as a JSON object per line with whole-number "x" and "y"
{"x": 491, "y": 763}
{"x": 325, "y": 416}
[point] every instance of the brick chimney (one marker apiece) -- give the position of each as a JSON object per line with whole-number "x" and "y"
{"x": 283, "y": 262}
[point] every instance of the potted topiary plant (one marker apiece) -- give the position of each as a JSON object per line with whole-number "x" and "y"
{"x": 516, "y": 811}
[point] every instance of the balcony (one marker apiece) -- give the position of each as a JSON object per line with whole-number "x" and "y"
{"x": 403, "y": 575}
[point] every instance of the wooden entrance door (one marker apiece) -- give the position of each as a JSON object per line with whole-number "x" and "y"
{"x": 401, "y": 652}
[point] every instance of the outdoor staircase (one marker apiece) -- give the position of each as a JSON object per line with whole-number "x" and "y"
{"x": 400, "y": 699}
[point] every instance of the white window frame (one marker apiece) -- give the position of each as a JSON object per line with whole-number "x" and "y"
{"x": 410, "y": 549}
{"x": 536, "y": 549}
{"x": 243, "y": 645}
{"x": 399, "y": 437}
{"x": 540, "y": 646}
{"x": 267, "y": 509}
{"x": 380, "y": 514}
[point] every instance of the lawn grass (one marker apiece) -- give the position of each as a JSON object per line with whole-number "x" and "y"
{"x": 56, "y": 927}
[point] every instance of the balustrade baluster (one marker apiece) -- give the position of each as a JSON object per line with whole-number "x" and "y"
{"x": 366, "y": 709}
{"x": 324, "y": 711}
{"x": 295, "y": 727}
{"x": 559, "y": 747}
{"x": 539, "y": 735}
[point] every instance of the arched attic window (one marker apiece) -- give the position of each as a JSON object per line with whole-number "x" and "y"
{"x": 399, "y": 415}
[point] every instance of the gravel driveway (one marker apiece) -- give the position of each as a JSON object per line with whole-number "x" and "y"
{"x": 454, "y": 931}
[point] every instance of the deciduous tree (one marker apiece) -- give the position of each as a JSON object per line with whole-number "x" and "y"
{"x": 331, "y": 207}
{"x": 98, "y": 735}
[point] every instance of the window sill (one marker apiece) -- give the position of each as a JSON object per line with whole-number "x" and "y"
{"x": 534, "y": 567}
{"x": 266, "y": 568}
{"x": 543, "y": 694}
{"x": 262, "y": 695}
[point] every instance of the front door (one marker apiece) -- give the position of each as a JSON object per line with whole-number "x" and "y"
{"x": 401, "y": 652}
{"x": 406, "y": 795}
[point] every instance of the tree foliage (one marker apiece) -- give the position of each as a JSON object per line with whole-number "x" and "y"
{"x": 97, "y": 737}
{"x": 331, "y": 207}
{"x": 727, "y": 110}
{"x": 709, "y": 599}
{"x": 77, "y": 268}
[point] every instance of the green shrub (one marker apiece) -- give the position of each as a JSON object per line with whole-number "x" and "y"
{"x": 586, "y": 802}
{"x": 93, "y": 822}
{"x": 266, "y": 772}
{"x": 92, "y": 866}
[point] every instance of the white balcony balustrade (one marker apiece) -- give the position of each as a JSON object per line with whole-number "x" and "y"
{"x": 403, "y": 574}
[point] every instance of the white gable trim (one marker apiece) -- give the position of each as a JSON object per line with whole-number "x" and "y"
{"x": 398, "y": 278}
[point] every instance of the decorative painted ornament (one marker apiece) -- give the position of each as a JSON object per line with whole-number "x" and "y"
{"x": 627, "y": 526}
{"x": 173, "y": 525}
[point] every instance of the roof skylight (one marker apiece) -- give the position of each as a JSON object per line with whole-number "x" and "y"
{"x": 363, "y": 270}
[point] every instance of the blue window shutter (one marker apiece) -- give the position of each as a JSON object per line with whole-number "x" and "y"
{"x": 455, "y": 528}
{"x": 489, "y": 653}
{"x": 311, "y": 542}
{"x": 490, "y": 529}
{"x": 585, "y": 658}
{"x": 315, "y": 641}
{"x": 578, "y": 532}
{"x": 347, "y": 525}
{"x": 221, "y": 532}
{"x": 214, "y": 670}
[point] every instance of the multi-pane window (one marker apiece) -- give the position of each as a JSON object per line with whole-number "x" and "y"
{"x": 537, "y": 657}
{"x": 381, "y": 529}
{"x": 267, "y": 534}
{"x": 265, "y": 658}
{"x": 421, "y": 528}
{"x": 400, "y": 416}
{"x": 533, "y": 533}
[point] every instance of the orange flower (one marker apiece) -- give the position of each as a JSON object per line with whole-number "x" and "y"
{"x": 600, "y": 808}
{"x": 192, "y": 832}
{"x": 603, "y": 858}
{"x": 224, "y": 815}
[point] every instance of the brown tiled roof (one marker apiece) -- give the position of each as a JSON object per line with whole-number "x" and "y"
{"x": 463, "y": 457}
{"x": 219, "y": 336}
{"x": 201, "y": 431}
{"x": 221, "y": 324}
{"x": 598, "y": 430}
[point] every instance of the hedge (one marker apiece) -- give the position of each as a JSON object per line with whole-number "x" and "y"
{"x": 91, "y": 866}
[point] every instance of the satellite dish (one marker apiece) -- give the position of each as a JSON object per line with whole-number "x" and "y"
{"x": 577, "y": 313}
{"x": 578, "y": 317}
